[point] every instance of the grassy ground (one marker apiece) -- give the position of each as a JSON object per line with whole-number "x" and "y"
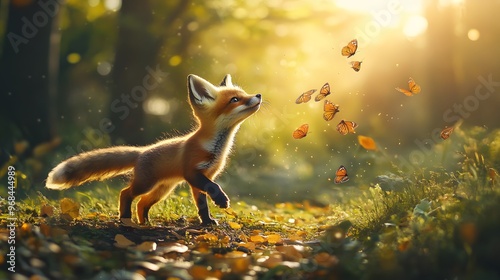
{"x": 434, "y": 224}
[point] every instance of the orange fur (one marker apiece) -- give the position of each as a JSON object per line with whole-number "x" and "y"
{"x": 197, "y": 157}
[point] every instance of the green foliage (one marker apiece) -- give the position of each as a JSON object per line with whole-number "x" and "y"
{"x": 438, "y": 222}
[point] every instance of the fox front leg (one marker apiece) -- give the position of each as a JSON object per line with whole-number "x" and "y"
{"x": 201, "y": 204}
{"x": 209, "y": 187}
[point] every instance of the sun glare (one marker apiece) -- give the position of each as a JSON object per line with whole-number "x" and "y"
{"x": 414, "y": 26}
{"x": 473, "y": 34}
{"x": 408, "y": 14}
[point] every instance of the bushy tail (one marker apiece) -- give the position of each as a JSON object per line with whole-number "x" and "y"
{"x": 94, "y": 165}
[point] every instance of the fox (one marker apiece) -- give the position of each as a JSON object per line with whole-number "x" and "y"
{"x": 197, "y": 157}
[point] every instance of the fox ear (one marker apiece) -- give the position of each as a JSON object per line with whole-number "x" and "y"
{"x": 200, "y": 90}
{"x": 227, "y": 81}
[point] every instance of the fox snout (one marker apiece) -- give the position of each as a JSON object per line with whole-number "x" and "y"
{"x": 254, "y": 101}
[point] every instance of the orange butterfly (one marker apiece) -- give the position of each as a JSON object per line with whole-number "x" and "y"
{"x": 304, "y": 97}
{"x": 330, "y": 110}
{"x": 301, "y": 132}
{"x": 341, "y": 175}
{"x": 414, "y": 88}
{"x": 350, "y": 49}
{"x": 446, "y": 132}
{"x": 323, "y": 92}
{"x": 356, "y": 65}
{"x": 345, "y": 127}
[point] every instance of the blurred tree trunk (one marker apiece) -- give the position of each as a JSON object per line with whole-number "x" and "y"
{"x": 135, "y": 70}
{"x": 28, "y": 73}
{"x": 134, "y": 51}
{"x": 443, "y": 42}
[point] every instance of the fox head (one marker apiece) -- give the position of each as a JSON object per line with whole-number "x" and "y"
{"x": 223, "y": 106}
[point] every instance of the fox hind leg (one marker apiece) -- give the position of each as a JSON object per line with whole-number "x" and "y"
{"x": 159, "y": 192}
{"x": 128, "y": 194}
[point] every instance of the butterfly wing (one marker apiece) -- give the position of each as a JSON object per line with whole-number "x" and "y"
{"x": 342, "y": 128}
{"x": 330, "y": 110}
{"x": 304, "y": 97}
{"x": 301, "y": 132}
{"x": 445, "y": 133}
{"x": 345, "y": 127}
{"x": 351, "y": 126}
{"x": 414, "y": 88}
{"x": 350, "y": 49}
{"x": 356, "y": 65}
{"x": 341, "y": 175}
{"x": 406, "y": 92}
{"x": 323, "y": 92}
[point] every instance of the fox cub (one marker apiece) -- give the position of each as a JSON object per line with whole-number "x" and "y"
{"x": 197, "y": 157}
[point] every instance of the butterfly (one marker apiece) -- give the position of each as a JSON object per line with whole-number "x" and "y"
{"x": 345, "y": 127}
{"x": 356, "y": 65}
{"x": 446, "y": 132}
{"x": 330, "y": 110}
{"x": 304, "y": 97}
{"x": 323, "y": 92}
{"x": 350, "y": 49}
{"x": 341, "y": 175}
{"x": 301, "y": 132}
{"x": 414, "y": 88}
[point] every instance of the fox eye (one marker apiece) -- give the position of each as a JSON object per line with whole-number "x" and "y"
{"x": 234, "y": 99}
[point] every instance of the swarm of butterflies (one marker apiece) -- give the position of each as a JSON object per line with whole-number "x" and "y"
{"x": 345, "y": 127}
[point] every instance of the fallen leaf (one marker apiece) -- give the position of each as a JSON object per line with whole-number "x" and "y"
{"x": 238, "y": 262}
{"x": 207, "y": 237}
{"x": 46, "y": 210}
{"x": 174, "y": 247}
{"x": 203, "y": 272}
{"x": 326, "y": 260}
{"x": 273, "y": 238}
{"x": 234, "y": 225}
{"x": 271, "y": 261}
{"x": 248, "y": 245}
{"x": 70, "y": 208}
{"x": 291, "y": 252}
{"x": 122, "y": 242}
{"x": 147, "y": 265}
{"x": 146, "y": 246}
{"x": 257, "y": 238}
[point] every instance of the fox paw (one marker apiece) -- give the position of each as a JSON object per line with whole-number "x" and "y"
{"x": 221, "y": 200}
{"x": 209, "y": 222}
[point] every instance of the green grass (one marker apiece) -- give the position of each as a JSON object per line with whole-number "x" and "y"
{"x": 441, "y": 223}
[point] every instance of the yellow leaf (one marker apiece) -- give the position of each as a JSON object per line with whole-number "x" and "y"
{"x": 274, "y": 238}
{"x": 257, "y": 238}
{"x": 249, "y": 245}
{"x": 207, "y": 237}
{"x": 234, "y": 225}
{"x": 70, "y": 208}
